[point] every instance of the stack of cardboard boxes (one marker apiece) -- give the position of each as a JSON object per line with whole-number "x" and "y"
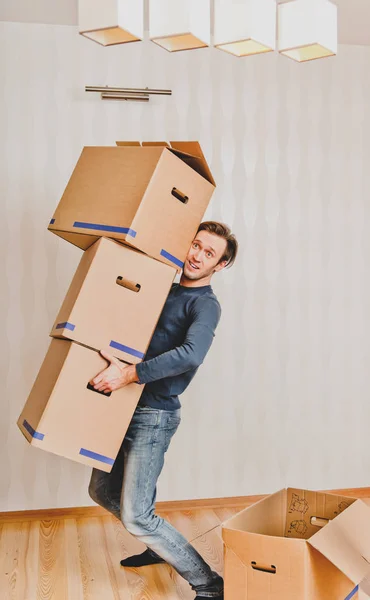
{"x": 134, "y": 209}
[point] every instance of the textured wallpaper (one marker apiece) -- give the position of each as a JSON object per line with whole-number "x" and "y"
{"x": 283, "y": 396}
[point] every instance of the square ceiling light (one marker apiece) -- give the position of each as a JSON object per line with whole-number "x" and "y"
{"x": 307, "y": 29}
{"x": 110, "y": 22}
{"x": 180, "y": 24}
{"x": 245, "y": 27}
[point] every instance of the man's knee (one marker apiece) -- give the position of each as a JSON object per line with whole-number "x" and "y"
{"x": 140, "y": 524}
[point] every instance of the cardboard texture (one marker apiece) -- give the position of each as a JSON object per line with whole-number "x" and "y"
{"x": 63, "y": 416}
{"x": 297, "y": 545}
{"x": 115, "y": 300}
{"x": 152, "y": 197}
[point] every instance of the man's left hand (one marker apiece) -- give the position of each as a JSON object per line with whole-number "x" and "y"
{"x": 116, "y": 376}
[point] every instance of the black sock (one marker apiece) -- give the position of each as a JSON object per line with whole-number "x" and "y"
{"x": 141, "y": 560}
{"x": 220, "y": 597}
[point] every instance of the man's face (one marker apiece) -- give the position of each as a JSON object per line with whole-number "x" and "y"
{"x": 204, "y": 255}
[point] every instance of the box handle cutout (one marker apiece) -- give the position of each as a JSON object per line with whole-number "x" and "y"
{"x": 265, "y": 568}
{"x": 91, "y": 387}
{"x": 130, "y": 285}
{"x": 319, "y": 521}
{"x": 180, "y": 196}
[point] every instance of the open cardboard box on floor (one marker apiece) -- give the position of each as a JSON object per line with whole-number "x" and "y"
{"x": 65, "y": 416}
{"x": 115, "y": 300}
{"x": 151, "y": 196}
{"x": 298, "y": 545}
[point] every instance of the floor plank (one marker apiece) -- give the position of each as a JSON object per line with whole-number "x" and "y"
{"x": 31, "y": 564}
{"x": 52, "y": 579}
{"x": 73, "y": 560}
{"x": 96, "y": 569}
{"x": 13, "y": 549}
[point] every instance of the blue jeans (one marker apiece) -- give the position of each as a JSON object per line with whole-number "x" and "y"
{"x": 129, "y": 493}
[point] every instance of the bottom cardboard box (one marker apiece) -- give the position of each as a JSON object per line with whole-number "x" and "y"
{"x": 298, "y": 545}
{"x": 64, "y": 415}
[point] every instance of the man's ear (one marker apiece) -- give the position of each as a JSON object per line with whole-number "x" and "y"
{"x": 221, "y": 265}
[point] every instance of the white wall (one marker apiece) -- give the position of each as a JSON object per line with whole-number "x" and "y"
{"x": 283, "y": 395}
{"x": 58, "y": 12}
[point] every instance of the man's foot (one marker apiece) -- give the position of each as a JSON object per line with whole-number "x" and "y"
{"x": 141, "y": 560}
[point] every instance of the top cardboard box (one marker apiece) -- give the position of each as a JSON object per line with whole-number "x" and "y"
{"x": 297, "y": 545}
{"x": 151, "y": 196}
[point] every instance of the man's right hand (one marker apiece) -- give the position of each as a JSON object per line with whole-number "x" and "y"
{"x": 114, "y": 377}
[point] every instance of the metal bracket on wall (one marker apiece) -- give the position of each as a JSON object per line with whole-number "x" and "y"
{"x": 133, "y": 94}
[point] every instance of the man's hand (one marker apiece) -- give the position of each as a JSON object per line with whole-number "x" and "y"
{"x": 115, "y": 376}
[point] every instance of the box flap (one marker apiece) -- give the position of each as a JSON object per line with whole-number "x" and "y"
{"x": 266, "y": 517}
{"x": 308, "y": 510}
{"x": 189, "y": 152}
{"x": 166, "y": 144}
{"x": 128, "y": 144}
{"x": 345, "y": 541}
{"x": 193, "y": 149}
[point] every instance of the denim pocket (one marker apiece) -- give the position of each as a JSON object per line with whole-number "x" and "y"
{"x": 173, "y": 421}
{"x": 170, "y": 428}
{"x": 145, "y": 416}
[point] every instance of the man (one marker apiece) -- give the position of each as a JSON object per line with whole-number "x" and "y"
{"x": 179, "y": 345}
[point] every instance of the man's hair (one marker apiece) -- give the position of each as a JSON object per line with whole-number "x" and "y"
{"x": 224, "y": 232}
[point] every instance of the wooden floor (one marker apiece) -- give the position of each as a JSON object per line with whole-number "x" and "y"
{"x": 75, "y": 554}
{"x": 78, "y": 558}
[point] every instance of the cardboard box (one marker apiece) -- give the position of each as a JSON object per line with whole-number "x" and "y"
{"x": 62, "y": 415}
{"x": 297, "y": 545}
{"x": 115, "y": 300}
{"x": 152, "y": 197}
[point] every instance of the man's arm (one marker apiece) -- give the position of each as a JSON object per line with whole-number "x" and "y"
{"x": 192, "y": 351}
{"x": 183, "y": 358}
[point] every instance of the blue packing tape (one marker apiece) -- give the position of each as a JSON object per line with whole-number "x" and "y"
{"x": 172, "y": 258}
{"x": 52, "y": 221}
{"x": 127, "y": 349}
{"x": 81, "y": 225}
{"x": 65, "y": 325}
{"x": 353, "y": 593}
{"x": 35, "y": 434}
{"x": 96, "y": 456}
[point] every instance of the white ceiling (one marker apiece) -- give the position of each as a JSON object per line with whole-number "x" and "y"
{"x": 354, "y": 16}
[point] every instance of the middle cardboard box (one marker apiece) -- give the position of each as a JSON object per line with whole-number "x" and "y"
{"x": 114, "y": 300}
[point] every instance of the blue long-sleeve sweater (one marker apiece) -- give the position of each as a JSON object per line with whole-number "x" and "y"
{"x": 180, "y": 342}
